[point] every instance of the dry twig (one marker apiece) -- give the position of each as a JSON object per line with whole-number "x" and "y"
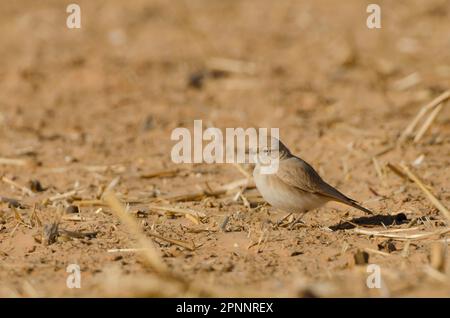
{"x": 418, "y": 236}
{"x": 18, "y": 186}
{"x": 12, "y": 162}
{"x": 428, "y": 194}
{"x": 152, "y": 257}
{"x": 435, "y": 102}
{"x": 423, "y": 129}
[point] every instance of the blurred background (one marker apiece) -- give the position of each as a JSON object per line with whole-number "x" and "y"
{"x": 112, "y": 91}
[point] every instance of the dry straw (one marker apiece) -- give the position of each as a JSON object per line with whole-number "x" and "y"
{"x": 402, "y": 236}
{"x": 151, "y": 255}
{"x": 13, "y": 162}
{"x": 434, "y": 106}
{"x": 18, "y": 186}
{"x": 244, "y": 184}
{"x": 428, "y": 194}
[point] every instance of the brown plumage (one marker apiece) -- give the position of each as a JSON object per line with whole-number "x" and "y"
{"x": 296, "y": 186}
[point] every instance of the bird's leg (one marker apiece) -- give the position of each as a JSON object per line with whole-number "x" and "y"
{"x": 298, "y": 220}
{"x": 280, "y": 221}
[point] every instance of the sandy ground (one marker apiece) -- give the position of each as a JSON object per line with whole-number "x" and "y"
{"x": 79, "y": 108}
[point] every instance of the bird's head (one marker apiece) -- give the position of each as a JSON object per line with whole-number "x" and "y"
{"x": 272, "y": 148}
{"x": 268, "y": 154}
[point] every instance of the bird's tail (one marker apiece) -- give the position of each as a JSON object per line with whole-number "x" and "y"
{"x": 355, "y": 204}
{"x": 335, "y": 195}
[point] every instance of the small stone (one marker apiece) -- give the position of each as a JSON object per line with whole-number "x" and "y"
{"x": 296, "y": 253}
{"x": 361, "y": 257}
{"x": 72, "y": 209}
{"x": 117, "y": 258}
{"x": 36, "y": 186}
{"x": 196, "y": 80}
{"x": 388, "y": 246}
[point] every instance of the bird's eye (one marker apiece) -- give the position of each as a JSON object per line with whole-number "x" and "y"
{"x": 266, "y": 150}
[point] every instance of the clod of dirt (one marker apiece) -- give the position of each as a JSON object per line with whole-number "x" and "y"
{"x": 307, "y": 293}
{"x": 361, "y": 257}
{"x": 196, "y": 79}
{"x": 142, "y": 213}
{"x": 36, "y": 186}
{"x": 72, "y": 209}
{"x": 172, "y": 251}
{"x": 50, "y": 233}
{"x": 116, "y": 258}
{"x": 216, "y": 74}
{"x": 78, "y": 235}
{"x": 438, "y": 256}
{"x": 149, "y": 123}
{"x": 388, "y": 246}
{"x": 296, "y": 253}
{"x": 223, "y": 225}
{"x": 12, "y": 203}
{"x": 424, "y": 220}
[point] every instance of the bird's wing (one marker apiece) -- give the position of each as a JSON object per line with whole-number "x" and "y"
{"x": 298, "y": 173}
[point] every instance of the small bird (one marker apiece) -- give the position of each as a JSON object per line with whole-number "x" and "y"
{"x": 295, "y": 187}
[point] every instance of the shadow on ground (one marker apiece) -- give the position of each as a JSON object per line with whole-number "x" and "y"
{"x": 386, "y": 220}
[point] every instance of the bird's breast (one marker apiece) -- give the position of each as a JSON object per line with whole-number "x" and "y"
{"x": 283, "y": 196}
